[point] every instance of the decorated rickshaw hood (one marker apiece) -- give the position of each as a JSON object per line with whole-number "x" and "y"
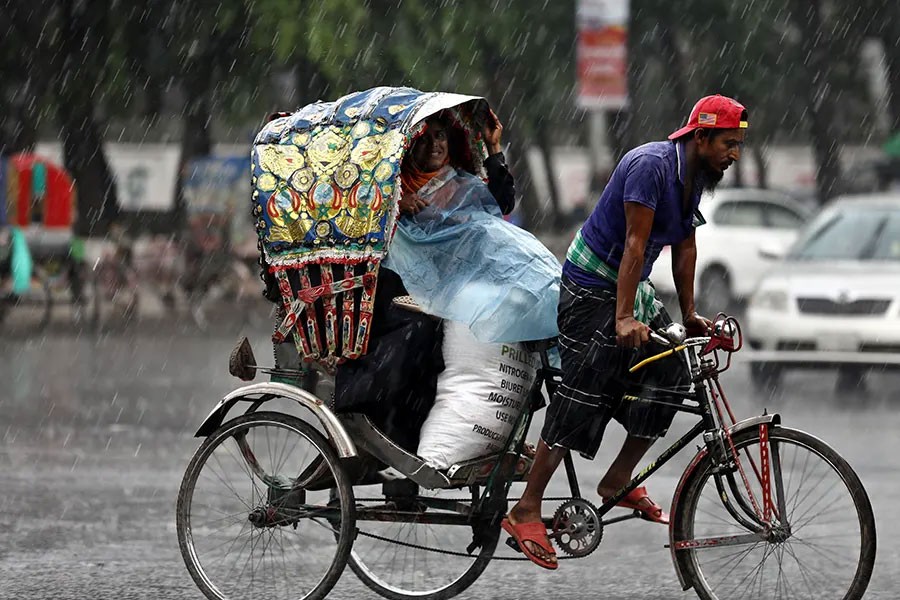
{"x": 326, "y": 179}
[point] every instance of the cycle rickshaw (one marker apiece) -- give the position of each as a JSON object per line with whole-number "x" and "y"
{"x": 38, "y": 198}
{"x": 275, "y": 505}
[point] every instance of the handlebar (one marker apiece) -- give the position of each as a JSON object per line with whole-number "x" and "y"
{"x": 725, "y": 335}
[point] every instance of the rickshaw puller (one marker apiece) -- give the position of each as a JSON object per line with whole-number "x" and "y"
{"x": 607, "y": 307}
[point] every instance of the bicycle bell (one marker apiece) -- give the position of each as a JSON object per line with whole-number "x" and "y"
{"x": 675, "y": 333}
{"x": 724, "y": 328}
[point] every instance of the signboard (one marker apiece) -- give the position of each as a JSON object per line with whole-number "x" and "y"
{"x": 145, "y": 174}
{"x": 217, "y": 195}
{"x": 601, "y": 53}
{"x": 217, "y": 184}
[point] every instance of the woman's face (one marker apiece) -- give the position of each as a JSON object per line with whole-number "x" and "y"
{"x": 430, "y": 150}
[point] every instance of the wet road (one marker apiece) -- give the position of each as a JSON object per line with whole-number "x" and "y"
{"x": 97, "y": 429}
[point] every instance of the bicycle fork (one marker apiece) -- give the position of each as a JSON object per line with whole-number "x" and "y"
{"x": 759, "y": 508}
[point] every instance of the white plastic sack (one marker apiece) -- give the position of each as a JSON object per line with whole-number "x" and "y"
{"x": 480, "y": 395}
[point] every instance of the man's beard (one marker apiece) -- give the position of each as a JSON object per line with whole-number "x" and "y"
{"x": 709, "y": 178}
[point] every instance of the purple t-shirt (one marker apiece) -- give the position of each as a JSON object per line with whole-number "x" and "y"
{"x": 652, "y": 175}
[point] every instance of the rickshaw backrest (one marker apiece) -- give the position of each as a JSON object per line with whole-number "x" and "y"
{"x": 325, "y": 186}
{"x": 34, "y": 191}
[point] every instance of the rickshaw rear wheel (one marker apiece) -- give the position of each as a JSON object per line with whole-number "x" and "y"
{"x": 246, "y": 525}
{"x": 396, "y": 565}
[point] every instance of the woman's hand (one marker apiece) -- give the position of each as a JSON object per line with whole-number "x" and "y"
{"x": 493, "y": 130}
{"x": 697, "y": 326}
{"x": 631, "y": 333}
{"x": 411, "y": 204}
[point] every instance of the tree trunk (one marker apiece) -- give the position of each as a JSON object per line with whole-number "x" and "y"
{"x": 891, "y": 43}
{"x": 311, "y": 83}
{"x": 196, "y": 139}
{"x": 677, "y": 81}
{"x": 739, "y": 174}
{"x": 82, "y": 26}
{"x": 529, "y": 204}
{"x": 821, "y": 99}
{"x": 762, "y": 166}
{"x": 503, "y": 98}
{"x": 19, "y": 127}
{"x": 546, "y": 148}
{"x": 617, "y": 131}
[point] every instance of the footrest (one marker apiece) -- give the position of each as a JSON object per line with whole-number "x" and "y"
{"x": 402, "y": 488}
{"x": 512, "y": 543}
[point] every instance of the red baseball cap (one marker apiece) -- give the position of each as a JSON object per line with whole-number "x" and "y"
{"x": 714, "y": 112}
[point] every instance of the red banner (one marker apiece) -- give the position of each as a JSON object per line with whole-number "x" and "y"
{"x": 602, "y": 56}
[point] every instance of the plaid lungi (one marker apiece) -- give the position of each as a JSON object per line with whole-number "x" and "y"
{"x": 595, "y": 375}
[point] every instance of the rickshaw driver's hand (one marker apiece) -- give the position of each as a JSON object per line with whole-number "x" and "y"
{"x": 697, "y": 326}
{"x": 631, "y": 333}
{"x": 412, "y": 204}
{"x": 493, "y": 131}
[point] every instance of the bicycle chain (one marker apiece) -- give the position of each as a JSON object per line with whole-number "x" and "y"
{"x": 554, "y": 499}
{"x": 450, "y": 552}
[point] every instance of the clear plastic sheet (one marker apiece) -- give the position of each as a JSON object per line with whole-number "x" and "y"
{"x": 461, "y": 261}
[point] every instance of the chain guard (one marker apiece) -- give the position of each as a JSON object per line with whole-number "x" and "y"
{"x": 577, "y": 527}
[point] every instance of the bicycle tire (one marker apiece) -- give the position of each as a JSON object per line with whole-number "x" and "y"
{"x": 39, "y": 295}
{"x": 684, "y": 516}
{"x": 344, "y": 532}
{"x": 455, "y": 587}
{"x": 218, "y": 294}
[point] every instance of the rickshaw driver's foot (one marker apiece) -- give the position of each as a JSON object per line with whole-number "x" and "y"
{"x": 637, "y": 499}
{"x": 520, "y": 515}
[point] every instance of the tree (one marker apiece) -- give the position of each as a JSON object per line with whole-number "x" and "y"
{"x": 517, "y": 54}
{"x": 67, "y": 41}
{"x": 820, "y": 97}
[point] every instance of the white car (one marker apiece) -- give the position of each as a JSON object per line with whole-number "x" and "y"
{"x": 835, "y": 299}
{"x": 740, "y": 221}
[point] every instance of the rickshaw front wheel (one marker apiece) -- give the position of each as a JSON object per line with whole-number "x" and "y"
{"x": 247, "y": 525}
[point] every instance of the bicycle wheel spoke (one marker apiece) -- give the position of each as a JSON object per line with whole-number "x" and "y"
{"x": 801, "y": 524}
{"x": 804, "y": 572}
{"x": 409, "y": 558}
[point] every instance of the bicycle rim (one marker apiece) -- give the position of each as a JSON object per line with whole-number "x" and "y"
{"x": 245, "y": 530}
{"x": 31, "y": 311}
{"x": 413, "y": 559}
{"x": 829, "y": 550}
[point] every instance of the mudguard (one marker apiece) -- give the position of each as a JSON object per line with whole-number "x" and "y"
{"x": 266, "y": 391}
{"x": 679, "y": 559}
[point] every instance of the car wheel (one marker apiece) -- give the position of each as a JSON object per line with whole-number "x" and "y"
{"x": 715, "y": 290}
{"x": 851, "y": 379}
{"x": 765, "y": 377}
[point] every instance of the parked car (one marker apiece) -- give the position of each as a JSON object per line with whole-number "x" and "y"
{"x": 740, "y": 221}
{"x": 834, "y": 301}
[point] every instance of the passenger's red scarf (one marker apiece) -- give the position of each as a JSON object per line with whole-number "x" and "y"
{"x": 412, "y": 178}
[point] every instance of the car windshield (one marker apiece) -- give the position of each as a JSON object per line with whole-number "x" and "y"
{"x": 852, "y": 233}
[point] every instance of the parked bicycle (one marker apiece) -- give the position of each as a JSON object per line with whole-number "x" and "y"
{"x": 58, "y": 279}
{"x": 203, "y": 286}
{"x": 273, "y": 505}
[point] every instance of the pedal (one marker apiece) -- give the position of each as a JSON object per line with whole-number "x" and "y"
{"x": 512, "y": 543}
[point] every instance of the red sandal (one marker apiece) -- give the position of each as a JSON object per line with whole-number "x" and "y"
{"x": 535, "y": 533}
{"x": 637, "y": 499}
